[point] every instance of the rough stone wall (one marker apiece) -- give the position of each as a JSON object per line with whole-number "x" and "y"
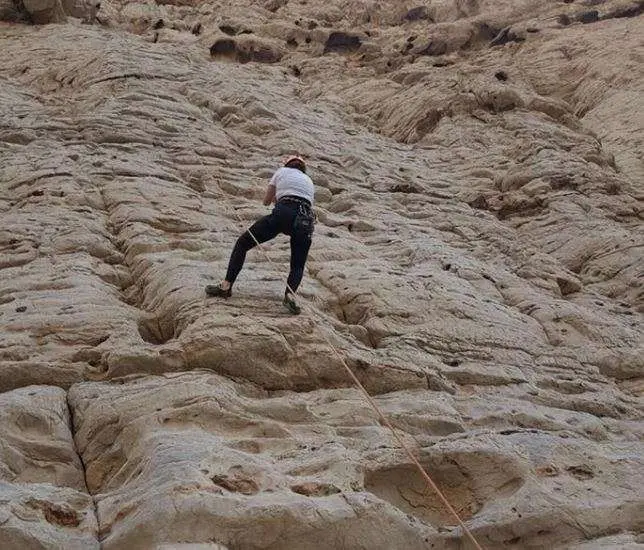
{"x": 477, "y": 262}
{"x": 47, "y": 11}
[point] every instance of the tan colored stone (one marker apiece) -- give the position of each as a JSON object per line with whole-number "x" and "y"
{"x": 160, "y": 449}
{"x": 42, "y": 516}
{"x": 189, "y": 546}
{"x": 43, "y": 497}
{"x": 47, "y": 11}
{"x": 476, "y": 262}
{"x": 37, "y": 442}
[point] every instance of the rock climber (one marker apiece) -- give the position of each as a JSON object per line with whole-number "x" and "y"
{"x": 292, "y": 192}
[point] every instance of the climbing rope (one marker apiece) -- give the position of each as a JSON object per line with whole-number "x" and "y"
{"x": 374, "y": 406}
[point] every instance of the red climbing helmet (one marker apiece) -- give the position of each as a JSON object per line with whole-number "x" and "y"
{"x": 295, "y": 161}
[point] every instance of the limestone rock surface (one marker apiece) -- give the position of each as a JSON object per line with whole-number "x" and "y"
{"x": 47, "y": 11}
{"x": 477, "y": 263}
{"x": 43, "y": 497}
{"x": 194, "y": 456}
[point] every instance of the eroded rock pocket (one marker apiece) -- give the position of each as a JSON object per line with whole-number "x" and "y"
{"x": 313, "y": 489}
{"x": 632, "y": 10}
{"x": 56, "y": 514}
{"x": 467, "y": 491}
{"x": 156, "y": 330}
{"x": 236, "y": 484}
{"x": 245, "y": 51}
{"x": 342, "y": 42}
{"x": 419, "y": 13}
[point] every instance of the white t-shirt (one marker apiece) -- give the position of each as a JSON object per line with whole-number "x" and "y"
{"x": 290, "y": 181}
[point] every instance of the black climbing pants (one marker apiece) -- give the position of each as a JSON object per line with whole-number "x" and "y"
{"x": 290, "y": 216}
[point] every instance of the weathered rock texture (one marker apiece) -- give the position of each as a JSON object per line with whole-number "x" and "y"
{"x": 477, "y": 263}
{"x": 47, "y": 11}
{"x": 43, "y": 496}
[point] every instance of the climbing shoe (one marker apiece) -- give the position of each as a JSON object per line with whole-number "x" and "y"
{"x": 291, "y": 305}
{"x": 216, "y": 290}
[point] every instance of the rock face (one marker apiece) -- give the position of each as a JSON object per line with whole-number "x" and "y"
{"x": 43, "y": 497}
{"x": 47, "y": 11}
{"x": 477, "y": 263}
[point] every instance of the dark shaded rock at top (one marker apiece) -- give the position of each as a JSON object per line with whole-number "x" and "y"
{"x": 342, "y": 42}
{"x": 419, "y": 13}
